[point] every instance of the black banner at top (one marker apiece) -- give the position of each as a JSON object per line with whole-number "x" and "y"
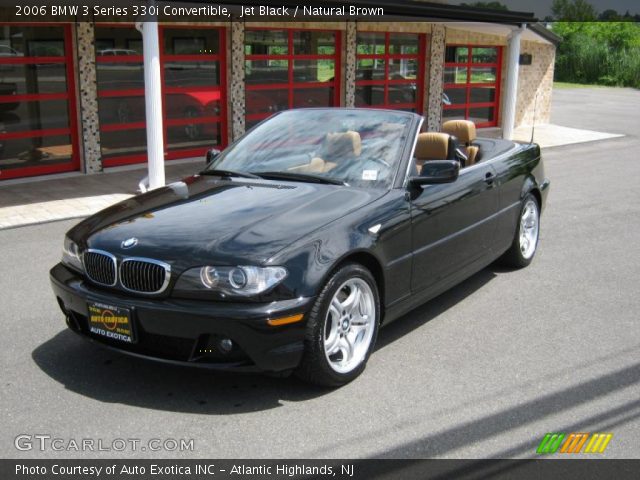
{"x": 505, "y": 11}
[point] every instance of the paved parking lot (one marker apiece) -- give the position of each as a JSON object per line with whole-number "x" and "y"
{"x": 482, "y": 371}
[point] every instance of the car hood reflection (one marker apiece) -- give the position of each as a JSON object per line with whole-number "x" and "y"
{"x": 206, "y": 220}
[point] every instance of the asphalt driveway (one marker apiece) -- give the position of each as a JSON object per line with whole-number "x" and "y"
{"x": 482, "y": 371}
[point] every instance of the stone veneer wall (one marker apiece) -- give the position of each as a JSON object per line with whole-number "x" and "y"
{"x": 535, "y": 84}
{"x": 473, "y": 38}
{"x": 349, "y": 77}
{"x": 236, "y": 86}
{"x": 88, "y": 97}
{"x": 433, "y": 110}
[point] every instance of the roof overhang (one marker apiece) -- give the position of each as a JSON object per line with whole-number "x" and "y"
{"x": 544, "y": 33}
{"x": 495, "y": 22}
{"x": 409, "y": 10}
{"x": 534, "y": 32}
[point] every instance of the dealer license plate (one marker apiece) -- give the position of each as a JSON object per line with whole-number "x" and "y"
{"x": 110, "y": 321}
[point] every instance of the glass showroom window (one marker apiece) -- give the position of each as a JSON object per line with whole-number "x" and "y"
{"x": 37, "y": 101}
{"x": 290, "y": 69}
{"x": 390, "y": 70}
{"x": 192, "y": 72}
{"x": 121, "y": 110}
{"x": 472, "y": 84}
{"x": 194, "y": 97}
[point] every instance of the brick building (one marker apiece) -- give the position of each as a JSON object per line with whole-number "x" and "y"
{"x": 87, "y": 96}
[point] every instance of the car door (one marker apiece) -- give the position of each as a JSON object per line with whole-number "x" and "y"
{"x": 453, "y": 225}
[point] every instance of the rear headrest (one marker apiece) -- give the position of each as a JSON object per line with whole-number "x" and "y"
{"x": 432, "y": 146}
{"x": 342, "y": 144}
{"x": 464, "y": 130}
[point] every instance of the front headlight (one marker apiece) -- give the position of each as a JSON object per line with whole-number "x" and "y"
{"x": 71, "y": 255}
{"x": 236, "y": 281}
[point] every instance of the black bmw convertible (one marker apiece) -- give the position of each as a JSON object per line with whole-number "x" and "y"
{"x": 299, "y": 241}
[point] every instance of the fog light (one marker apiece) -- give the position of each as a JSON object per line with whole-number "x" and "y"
{"x": 225, "y": 345}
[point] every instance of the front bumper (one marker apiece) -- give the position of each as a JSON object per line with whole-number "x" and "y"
{"x": 186, "y": 332}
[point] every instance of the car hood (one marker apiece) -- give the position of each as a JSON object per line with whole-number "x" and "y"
{"x": 206, "y": 220}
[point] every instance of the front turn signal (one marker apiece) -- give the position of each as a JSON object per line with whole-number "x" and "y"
{"x": 275, "y": 322}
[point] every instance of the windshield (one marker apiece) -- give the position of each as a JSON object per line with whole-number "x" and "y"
{"x": 357, "y": 147}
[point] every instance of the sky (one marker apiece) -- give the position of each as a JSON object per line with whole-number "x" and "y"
{"x": 542, "y": 8}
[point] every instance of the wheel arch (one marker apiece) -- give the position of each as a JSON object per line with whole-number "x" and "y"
{"x": 530, "y": 186}
{"x": 535, "y": 191}
{"x": 371, "y": 263}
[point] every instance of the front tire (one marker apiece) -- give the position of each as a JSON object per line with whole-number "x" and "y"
{"x": 342, "y": 328}
{"x": 525, "y": 242}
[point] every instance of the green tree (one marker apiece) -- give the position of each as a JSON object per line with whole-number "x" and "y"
{"x": 606, "y": 53}
{"x": 615, "y": 35}
{"x": 573, "y": 11}
{"x": 609, "y": 15}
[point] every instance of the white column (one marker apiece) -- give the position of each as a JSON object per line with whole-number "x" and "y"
{"x": 153, "y": 101}
{"x": 511, "y": 87}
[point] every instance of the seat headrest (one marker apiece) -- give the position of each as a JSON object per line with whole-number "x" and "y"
{"x": 464, "y": 130}
{"x": 342, "y": 144}
{"x": 432, "y": 146}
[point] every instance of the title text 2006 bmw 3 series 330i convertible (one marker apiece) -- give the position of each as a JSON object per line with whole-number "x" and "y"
{"x": 296, "y": 243}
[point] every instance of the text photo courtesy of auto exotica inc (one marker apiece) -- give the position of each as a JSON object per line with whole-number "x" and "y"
{"x": 317, "y": 240}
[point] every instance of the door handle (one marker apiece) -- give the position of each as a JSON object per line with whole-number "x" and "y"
{"x": 489, "y": 177}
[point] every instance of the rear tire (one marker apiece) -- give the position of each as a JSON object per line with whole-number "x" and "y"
{"x": 525, "y": 243}
{"x": 342, "y": 328}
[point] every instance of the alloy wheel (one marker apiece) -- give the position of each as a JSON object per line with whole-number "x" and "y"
{"x": 529, "y": 229}
{"x": 349, "y": 325}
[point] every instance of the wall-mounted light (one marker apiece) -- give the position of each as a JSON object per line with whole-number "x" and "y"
{"x": 525, "y": 59}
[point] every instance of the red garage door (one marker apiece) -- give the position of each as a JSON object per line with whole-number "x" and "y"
{"x": 193, "y": 92}
{"x": 390, "y": 70}
{"x": 38, "y": 126}
{"x": 290, "y": 69}
{"x": 472, "y": 84}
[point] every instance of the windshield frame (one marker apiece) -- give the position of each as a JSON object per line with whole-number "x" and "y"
{"x": 401, "y": 169}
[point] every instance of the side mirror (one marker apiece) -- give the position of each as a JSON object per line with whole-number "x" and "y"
{"x": 437, "y": 171}
{"x": 212, "y": 155}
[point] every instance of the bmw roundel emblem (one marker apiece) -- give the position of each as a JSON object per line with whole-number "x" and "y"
{"x": 129, "y": 242}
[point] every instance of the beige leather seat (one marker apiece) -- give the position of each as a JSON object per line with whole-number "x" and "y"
{"x": 431, "y": 146}
{"x": 336, "y": 148}
{"x": 465, "y": 131}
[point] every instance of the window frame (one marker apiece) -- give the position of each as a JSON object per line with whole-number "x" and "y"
{"x": 386, "y": 81}
{"x": 290, "y": 57}
{"x": 70, "y": 96}
{"x": 468, "y": 85}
